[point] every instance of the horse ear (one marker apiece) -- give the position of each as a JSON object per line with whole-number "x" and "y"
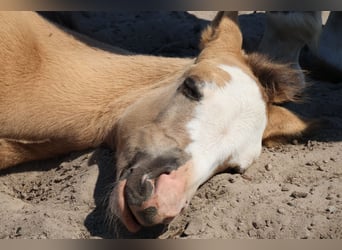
{"x": 232, "y": 15}
{"x": 222, "y": 35}
{"x": 280, "y": 82}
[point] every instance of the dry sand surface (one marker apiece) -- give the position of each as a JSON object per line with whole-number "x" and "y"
{"x": 293, "y": 191}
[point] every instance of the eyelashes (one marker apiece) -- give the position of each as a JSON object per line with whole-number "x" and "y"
{"x": 190, "y": 89}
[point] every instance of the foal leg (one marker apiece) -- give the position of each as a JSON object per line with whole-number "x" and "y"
{"x": 13, "y": 152}
{"x": 284, "y": 126}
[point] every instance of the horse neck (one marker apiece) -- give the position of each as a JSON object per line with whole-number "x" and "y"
{"x": 87, "y": 87}
{"x": 107, "y": 83}
{"x": 103, "y": 84}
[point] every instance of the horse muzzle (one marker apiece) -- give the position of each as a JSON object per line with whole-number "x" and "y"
{"x": 145, "y": 201}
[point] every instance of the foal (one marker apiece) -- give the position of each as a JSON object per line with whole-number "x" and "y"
{"x": 173, "y": 122}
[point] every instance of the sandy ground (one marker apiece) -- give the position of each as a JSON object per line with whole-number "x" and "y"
{"x": 293, "y": 191}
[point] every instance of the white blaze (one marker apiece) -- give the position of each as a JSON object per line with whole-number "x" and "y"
{"x": 228, "y": 124}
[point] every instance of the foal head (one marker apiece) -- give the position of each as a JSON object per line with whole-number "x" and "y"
{"x": 210, "y": 117}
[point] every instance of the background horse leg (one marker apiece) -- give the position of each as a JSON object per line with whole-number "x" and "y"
{"x": 286, "y": 33}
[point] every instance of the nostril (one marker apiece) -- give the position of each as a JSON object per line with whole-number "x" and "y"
{"x": 146, "y": 188}
{"x": 138, "y": 189}
{"x": 143, "y": 179}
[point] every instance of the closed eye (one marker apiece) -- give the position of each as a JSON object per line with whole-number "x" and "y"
{"x": 190, "y": 89}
